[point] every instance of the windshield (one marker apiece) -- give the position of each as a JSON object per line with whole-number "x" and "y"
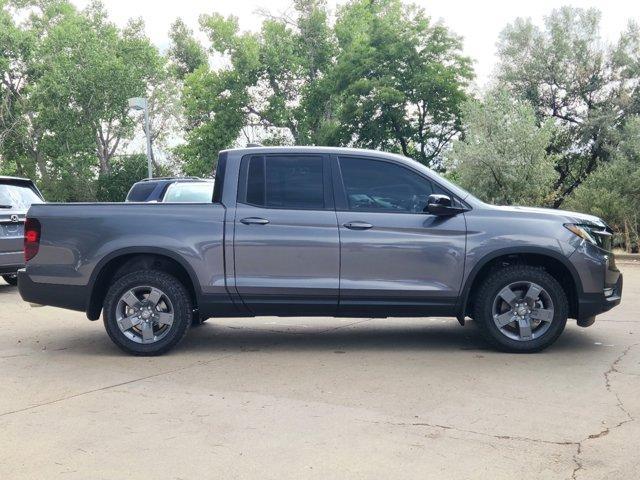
{"x": 189, "y": 192}
{"x": 18, "y": 197}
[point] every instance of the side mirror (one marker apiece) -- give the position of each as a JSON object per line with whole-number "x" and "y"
{"x": 442, "y": 206}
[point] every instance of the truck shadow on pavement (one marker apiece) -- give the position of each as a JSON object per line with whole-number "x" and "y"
{"x": 6, "y": 289}
{"x": 365, "y": 337}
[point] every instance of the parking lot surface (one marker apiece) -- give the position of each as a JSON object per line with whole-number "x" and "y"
{"x": 318, "y": 398}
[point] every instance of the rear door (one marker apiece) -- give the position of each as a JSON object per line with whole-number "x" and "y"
{"x": 286, "y": 245}
{"x": 395, "y": 258}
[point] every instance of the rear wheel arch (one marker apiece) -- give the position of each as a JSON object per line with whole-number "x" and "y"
{"x": 556, "y": 264}
{"x": 125, "y": 261}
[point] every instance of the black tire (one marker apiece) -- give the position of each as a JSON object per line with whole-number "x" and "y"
{"x": 11, "y": 279}
{"x": 177, "y": 295}
{"x": 495, "y": 283}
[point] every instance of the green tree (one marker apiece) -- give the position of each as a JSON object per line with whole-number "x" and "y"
{"x": 399, "y": 79}
{"x": 26, "y": 147}
{"x": 570, "y": 75}
{"x": 125, "y": 171}
{"x": 380, "y": 76}
{"x": 613, "y": 190}
{"x": 185, "y": 52}
{"x": 88, "y": 70}
{"x": 503, "y": 157}
{"x": 66, "y": 77}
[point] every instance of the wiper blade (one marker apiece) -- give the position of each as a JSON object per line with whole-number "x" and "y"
{"x": 6, "y": 206}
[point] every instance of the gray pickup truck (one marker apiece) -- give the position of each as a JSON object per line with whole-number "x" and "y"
{"x": 321, "y": 232}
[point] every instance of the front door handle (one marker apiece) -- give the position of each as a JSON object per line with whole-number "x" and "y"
{"x": 358, "y": 225}
{"x": 254, "y": 221}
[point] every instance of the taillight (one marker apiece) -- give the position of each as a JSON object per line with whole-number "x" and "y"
{"x": 31, "y": 238}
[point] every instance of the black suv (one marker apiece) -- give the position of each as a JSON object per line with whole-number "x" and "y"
{"x": 16, "y": 196}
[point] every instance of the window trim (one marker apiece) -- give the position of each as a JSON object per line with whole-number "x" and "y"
{"x": 243, "y": 181}
{"x": 342, "y": 203}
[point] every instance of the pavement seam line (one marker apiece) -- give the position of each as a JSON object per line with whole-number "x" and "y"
{"x": 159, "y": 374}
{"x": 115, "y": 385}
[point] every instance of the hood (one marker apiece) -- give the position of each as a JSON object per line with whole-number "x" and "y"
{"x": 564, "y": 215}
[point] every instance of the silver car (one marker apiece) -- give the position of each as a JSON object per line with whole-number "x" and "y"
{"x": 16, "y": 196}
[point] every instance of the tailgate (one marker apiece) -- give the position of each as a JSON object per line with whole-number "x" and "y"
{"x": 11, "y": 233}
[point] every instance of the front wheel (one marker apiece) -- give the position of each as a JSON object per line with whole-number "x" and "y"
{"x": 11, "y": 279}
{"x": 521, "y": 308}
{"x": 147, "y": 312}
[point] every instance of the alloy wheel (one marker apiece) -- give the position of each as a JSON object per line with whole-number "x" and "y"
{"x": 144, "y": 314}
{"x": 523, "y": 311}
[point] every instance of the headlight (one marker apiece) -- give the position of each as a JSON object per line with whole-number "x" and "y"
{"x": 600, "y": 237}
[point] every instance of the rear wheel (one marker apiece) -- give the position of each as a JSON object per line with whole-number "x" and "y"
{"x": 11, "y": 279}
{"x": 147, "y": 312}
{"x": 521, "y": 308}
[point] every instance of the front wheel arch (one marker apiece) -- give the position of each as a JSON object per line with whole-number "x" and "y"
{"x": 557, "y": 265}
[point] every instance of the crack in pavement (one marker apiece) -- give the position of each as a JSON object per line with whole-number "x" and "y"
{"x": 159, "y": 374}
{"x": 563, "y": 443}
{"x": 607, "y": 377}
{"x": 475, "y": 432}
{"x": 571, "y": 443}
{"x": 613, "y": 368}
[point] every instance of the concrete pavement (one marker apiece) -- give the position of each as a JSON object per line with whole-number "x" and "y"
{"x": 318, "y": 398}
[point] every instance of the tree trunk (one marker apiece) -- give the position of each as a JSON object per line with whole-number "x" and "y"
{"x": 41, "y": 163}
{"x": 627, "y": 237}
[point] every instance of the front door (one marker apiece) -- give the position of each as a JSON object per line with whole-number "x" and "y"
{"x": 396, "y": 260}
{"x": 286, "y": 245}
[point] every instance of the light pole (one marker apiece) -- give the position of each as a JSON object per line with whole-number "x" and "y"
{"x": 140, "y": 103}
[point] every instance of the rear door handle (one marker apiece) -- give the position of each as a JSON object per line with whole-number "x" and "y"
{"x": 358, "y": 225}
{"x": 254, "y": 221}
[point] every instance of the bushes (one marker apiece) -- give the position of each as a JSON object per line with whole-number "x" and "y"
{"x": 613, "y": 190}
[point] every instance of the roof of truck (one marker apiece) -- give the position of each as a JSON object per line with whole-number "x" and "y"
{"x": 318, "y": 149}
{"x": 14, "y": 179}
{"x": 355, "y": 152}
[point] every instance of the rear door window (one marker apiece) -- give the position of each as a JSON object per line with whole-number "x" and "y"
{"x": 286, "y": 181}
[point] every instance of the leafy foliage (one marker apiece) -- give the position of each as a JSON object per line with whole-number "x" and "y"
{"x": 67, "y": 76}
{"x": 568, "y": 74}
{"x": 613, "y": 190}
{"x": 399, "y": 78}
{"x": 559, "y": 127}
{"x": 503, "y": 157}
{"x": 382, "y": 77}
{"x": 125, "y": 171}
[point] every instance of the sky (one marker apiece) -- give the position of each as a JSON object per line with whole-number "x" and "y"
{"x": 478, "y": 22}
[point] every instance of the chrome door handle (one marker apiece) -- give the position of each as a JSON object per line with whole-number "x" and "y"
{"x": 358, "y": 225}
{"x": 254, "y": 221}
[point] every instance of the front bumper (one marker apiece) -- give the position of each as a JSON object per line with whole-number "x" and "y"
{"x": 72, "y": 297}
{"x": 592, "y": 304}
